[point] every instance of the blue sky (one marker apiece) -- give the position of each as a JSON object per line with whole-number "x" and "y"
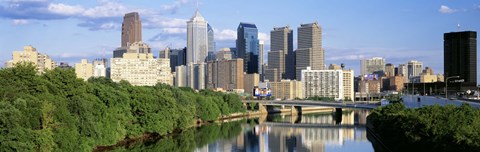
{"x": 352, "y": 30}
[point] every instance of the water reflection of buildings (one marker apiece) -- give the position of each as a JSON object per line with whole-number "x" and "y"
{"x": 277, "y": 138}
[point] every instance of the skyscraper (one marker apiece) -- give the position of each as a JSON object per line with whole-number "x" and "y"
{"x": 310, "y": 52}
{"x": 460, "y": 55}
{"x": 177, "y": 57}
{"x": 197, "y": 39}
{"x": 211, "y": 43}
{"x": 282, "y": 40}
{"x": 131, "y": 28}
{"x": 248, "y": 47}
{"x": 261, "y": 68}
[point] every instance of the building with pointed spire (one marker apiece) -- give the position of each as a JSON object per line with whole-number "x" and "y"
{"x": 197, "y": 39}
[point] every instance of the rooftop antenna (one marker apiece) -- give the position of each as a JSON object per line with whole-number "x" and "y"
{"x": 197, "y": 5}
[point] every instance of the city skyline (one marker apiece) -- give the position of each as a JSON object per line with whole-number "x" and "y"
{"x": 71, "y": 31}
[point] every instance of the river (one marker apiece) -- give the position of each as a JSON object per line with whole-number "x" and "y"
{"x": 316, "y": 131}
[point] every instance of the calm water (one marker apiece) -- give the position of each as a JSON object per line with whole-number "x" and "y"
{"x": 321, "y": 131}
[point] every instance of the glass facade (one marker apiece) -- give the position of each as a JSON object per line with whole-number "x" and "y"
{"x": 248, "y": 47}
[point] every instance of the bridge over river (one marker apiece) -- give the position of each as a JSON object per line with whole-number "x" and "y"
{"x": 309, "y": 103}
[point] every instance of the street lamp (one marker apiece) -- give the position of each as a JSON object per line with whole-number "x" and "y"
{"x": 446, "y": 85}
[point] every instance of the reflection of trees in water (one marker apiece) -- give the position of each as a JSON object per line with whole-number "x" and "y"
{"x": 189, "y": 139}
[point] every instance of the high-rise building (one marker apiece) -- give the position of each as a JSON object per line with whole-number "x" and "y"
{"x": 211, "y": 43}
{"x": 178, "y": 57}
{"x": 234, "y": 51}
{"x": 197, "y": 39}
{"x": 328, "y": 83}
{"x": 348, "y": 85}
{"x": 276, "y": 66}
{"x": 141, "y": 69}
{"x": 248, "y": 47}
{"x": 180, "y": 76}
{"x": 196, "y": 76}
{"x": 460, "y": 55}
{"x": 282, "y": 40}
{"x": 369, "y": 66}
{"x": 261, "y": 69}
{"x": 84, "y": 70}
{"x": 131, "y": 29}
{"x": 30, "y": 55}
{"x": 310, "y": 52}
{"x": 225, "y": 74}
{"x": 287, "y": 89}
{"x": 389, "y": 70}
{"x": 414, "y": 68}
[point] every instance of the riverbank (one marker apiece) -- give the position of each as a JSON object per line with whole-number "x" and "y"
{"x": 430, "y": 128}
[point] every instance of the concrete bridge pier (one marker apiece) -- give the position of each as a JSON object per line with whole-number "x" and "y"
{"x": 338, "y": 115}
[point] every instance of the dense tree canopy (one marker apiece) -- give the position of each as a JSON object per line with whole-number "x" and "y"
{"x": 58, "y": 112}
{"x": 431, "y": 128}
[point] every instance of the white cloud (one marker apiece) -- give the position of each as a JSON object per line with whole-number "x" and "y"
{"x": 264, "y": 37}
{"x": 64, "y": 9}
{"x": 106, "y": 9}
{"x": 20, "y": 22}
{"x": 446, "y": 10}
{"x": 225, "y": 34}
{"x": 157, "y": 21}
{"x": 174, "y": 7}
{"x": 174, "y": 30}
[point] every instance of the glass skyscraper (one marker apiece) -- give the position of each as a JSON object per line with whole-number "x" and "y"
{"x": 211, "y": 43}
{"x": 248, "y": 47}
{"x": 197, "y": 39}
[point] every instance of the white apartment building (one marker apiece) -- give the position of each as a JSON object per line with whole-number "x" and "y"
{"x": 337, "y": 84}
{"x": 141, "y": 69}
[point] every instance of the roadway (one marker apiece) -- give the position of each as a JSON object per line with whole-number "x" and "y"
{"x": 309, "y": 103}
{"x": 306, "y": 125}
{"x": 411, "y": 101}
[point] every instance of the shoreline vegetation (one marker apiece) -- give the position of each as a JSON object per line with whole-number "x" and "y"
{"x": 56, "y": 111}
{"x": 430, "y": 128}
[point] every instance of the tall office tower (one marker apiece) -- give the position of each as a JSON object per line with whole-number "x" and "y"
{"x": 197, "y": 39}
{"x": 310, "y": 52}
{"x": 29, "y": 54}
{"x": 84, "y": 70}
{"x": 225, "y": 74}
{"x": 211, "y": 43}
{"x": 261, "y": 70}
{"x": 414, "y": 68}
{"x": 177, "y": 57}
{"x": 131, "y": 29}
{"x": 282, "y": 40}
{"x": 389, "y": 70}
{"x": 276, "y": 62}
{"x": 248, "y": 47}
{"x": 368, "y": 66}
{"x": 460, "y": 55}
